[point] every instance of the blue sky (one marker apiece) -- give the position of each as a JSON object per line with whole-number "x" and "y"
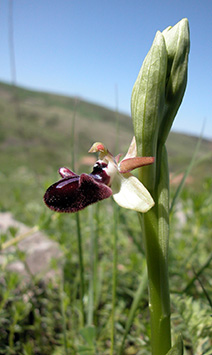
{"x": 95, "y": 48}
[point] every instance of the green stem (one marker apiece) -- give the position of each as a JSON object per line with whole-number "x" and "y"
{"x": 137, "y": 298}
{"x": 81, "y": 265}
{"x": 96, "y": 256}
{"x": 65, "y": 343}
{"x": 90, "y": 319}
{"x": 12, "y": 331}
{"x": 114, "y": 281}
{"x": 158, "y": 288}
{"x": 156, "y": 234}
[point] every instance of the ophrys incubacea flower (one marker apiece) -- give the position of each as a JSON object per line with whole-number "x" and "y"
{"x": 109, "y": 177}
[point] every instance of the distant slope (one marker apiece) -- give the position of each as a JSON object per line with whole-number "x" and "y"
{"x": 42, "y": 122}
{"x": 36, "y": 132}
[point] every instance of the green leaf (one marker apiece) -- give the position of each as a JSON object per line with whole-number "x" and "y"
{"x": 177, "y": 349}
{"x": 89, "y": 334}
{"x": 186, "y": 173}
{"x": 137, "y": 298}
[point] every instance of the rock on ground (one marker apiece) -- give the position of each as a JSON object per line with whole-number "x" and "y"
{"x": 38, "y": 248}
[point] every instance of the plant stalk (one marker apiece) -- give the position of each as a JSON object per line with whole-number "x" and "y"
{"x": 81, "y": 265}
{"x": 156, "y": 234}
{"x": 114, "y": 280}
{"x": 90, "y": 317}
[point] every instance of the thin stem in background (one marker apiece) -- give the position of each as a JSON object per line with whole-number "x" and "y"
{"x": 204, "y": 290}
{"x": 198, "y": 273}
{"x": 90, "y": 319}
{"x": 114, "y": 281}
{"x": 117, "y": 120}
{"x": 81, "y": 266}
{"x": 96, "y": 258}
{"x": 18, "y": 238}
{"x": 73, "y": 140}
{"x": 63, "y": 316}
{"x": 11, "y": 43}
{"x": 93, "y": 281}
{"x": 137, "y": 298}
{"x": 15, "y": 97}
{"x": 187, "y": 172}
{"x": 115, "y": 236}
{"x": 12, "y": 330}
{"x": 79, "y": 235}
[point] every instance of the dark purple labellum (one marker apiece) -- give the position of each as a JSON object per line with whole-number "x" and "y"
{"x": 74, "y": 192}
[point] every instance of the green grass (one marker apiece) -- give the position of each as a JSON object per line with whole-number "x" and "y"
{"x": 41, "y": 324}
{"x": 35, "y": 140}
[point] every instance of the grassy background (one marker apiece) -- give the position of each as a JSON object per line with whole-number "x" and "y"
{"x": 36, "y": 128}
{"x": 35, "y": 140}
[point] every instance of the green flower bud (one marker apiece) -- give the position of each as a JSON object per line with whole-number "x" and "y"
{"x": 158, "y": 92}
{"x": 147, "y": 102}
{"x": 148, "y": 95}
{"x": 177, "y": 44}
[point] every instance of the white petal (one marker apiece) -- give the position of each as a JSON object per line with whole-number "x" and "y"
{"x": 130, "y": 193}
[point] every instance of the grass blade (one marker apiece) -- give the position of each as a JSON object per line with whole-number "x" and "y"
{"x": 138, "y": 295}
{"x": 198, "y": 273}
{"x": 65, "y": 343}
{"x": 187, "y": 172}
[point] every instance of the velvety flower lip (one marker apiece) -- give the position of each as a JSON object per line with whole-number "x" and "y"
{"x": 74, "y": 192}
{"x": 109, "y": 177}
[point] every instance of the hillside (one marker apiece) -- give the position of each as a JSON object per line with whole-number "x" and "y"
{"x": 36, "y": 133}
{"x": 39, "y": 125}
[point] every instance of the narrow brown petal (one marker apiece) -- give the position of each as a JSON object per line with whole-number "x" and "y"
{"x": 127, "y": 165}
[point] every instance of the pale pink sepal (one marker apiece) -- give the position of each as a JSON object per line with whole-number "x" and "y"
{"x": 132, "y": 151}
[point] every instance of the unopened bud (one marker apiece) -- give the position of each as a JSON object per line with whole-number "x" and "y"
{"x": 147, "y": 101}
{"x": 177, "y": 44}
{"x": 158, "y": 92}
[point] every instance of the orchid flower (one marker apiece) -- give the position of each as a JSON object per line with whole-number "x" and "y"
{"x": 109, "y": 177}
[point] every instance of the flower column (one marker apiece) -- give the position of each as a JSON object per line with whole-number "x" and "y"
{"x": 156, "y": 97}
